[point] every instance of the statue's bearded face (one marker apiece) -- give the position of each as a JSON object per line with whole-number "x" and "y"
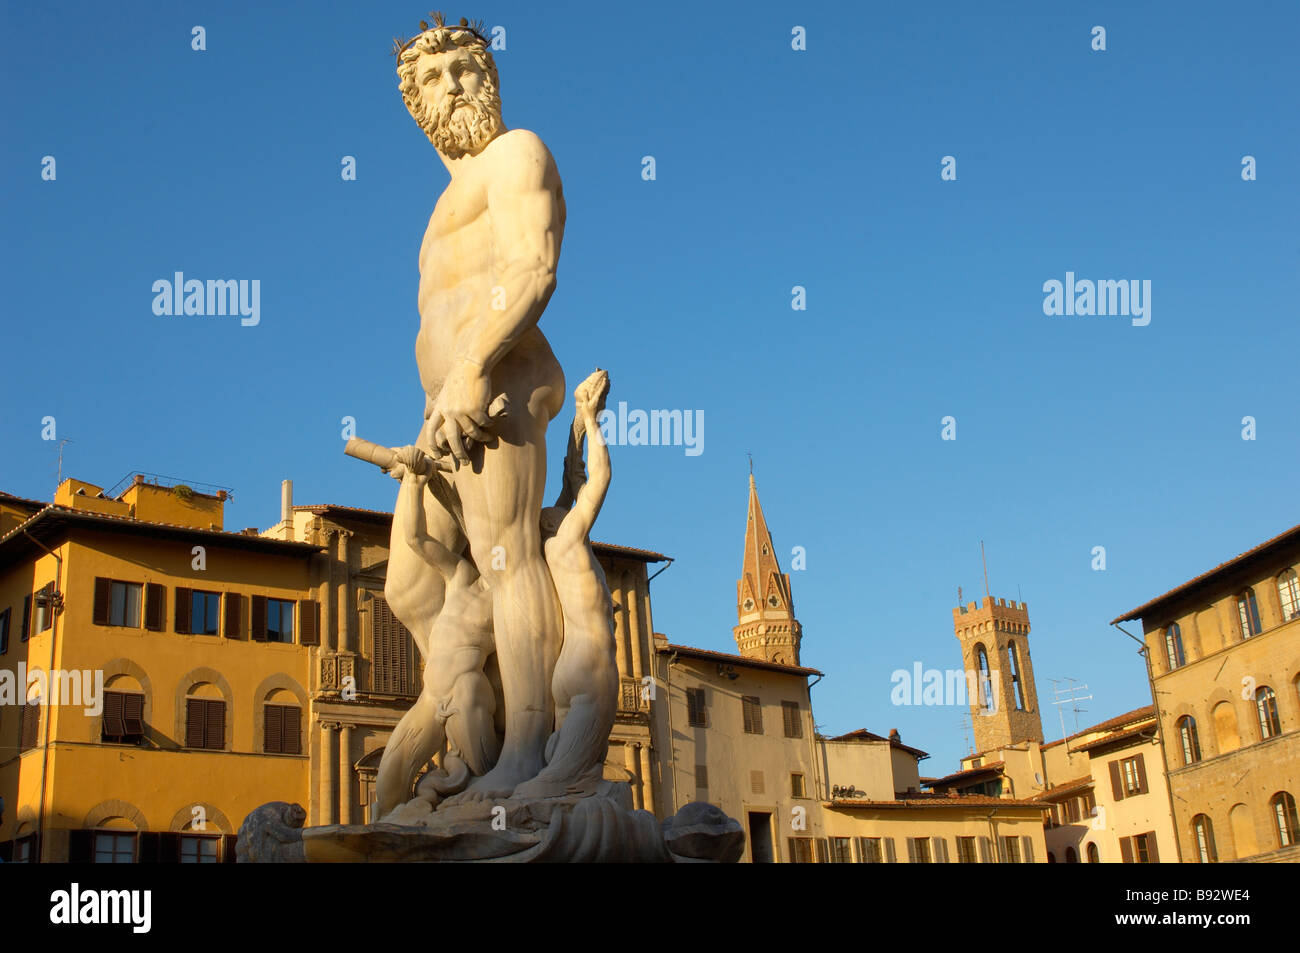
{"x": 453, "y": 97}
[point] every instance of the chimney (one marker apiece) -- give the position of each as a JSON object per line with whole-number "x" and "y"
{"x": 286, "y": 507}
{"x": 895, "y": 736}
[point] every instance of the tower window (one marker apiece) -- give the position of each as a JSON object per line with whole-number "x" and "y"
{"x": 1266, "y": 708}
{"x": 986, "y": 682}
{"x": 1191, "y": 743}
{"x": 1018, "y": 689}
{"x": 1288, "y": 591}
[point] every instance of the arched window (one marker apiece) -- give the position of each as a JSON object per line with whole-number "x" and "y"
{"x": 1266, "y": 708}
{"x": 1288, "y": 593}
{"x": 1019, "y": 693}
{"x": 1284, "y": 819}
{"x": 1174, "y": 647}
{"x": 986, "y": 682}
{"x": 1093, "y": 856}
{"x": 1248, "y": 614}
{"x": 1203, "y": 834}
{"x": 1191, "y": 743}
{"x": 1071, "y": 855}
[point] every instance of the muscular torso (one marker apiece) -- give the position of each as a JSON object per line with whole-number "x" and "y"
{"x": 459, "y": 263}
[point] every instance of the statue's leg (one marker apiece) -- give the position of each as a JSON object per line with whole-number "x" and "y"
{"x": 501, "y": 498}
{"x": 416, "y": 739}
{"x": 470, "y": 728}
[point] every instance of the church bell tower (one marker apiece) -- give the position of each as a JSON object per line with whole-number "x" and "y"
{"x": 766, "y": 627}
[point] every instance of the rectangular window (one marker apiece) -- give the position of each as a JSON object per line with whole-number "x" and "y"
{"x": 124, "y": 604}
{"x": 205, "y": 607}
{"x": 695, "y": 711}
{"x": 205, "y": 723}
{"x": 123, "y": 721}
{"x": 966, "y": 850}
{"x": 200, "y": 850}
{"x": 919, "y": 848}
{"x": 394, "y": 670}
{"x": 1089, "y": 803}
{"x": 1141, "y": 849}
{"x": 1071, "y": 810}
{"x": 114, "y": 848}
{"x": 282, "y": 729}
{"x": 869, "y": 849}
{"x": 796, "y": 786}
{"x": 701, "y": 777}
{"x": 279, "y": 620}
{"x": 29, "y": 727}
{"x": 1133, "y": 773}
{"x": 45, "y": 607}
{"x": 1248, "y": 614}
{"x": 4, "y": 631}
{"x": 1010, "y": 850}
{"x": 793, "y": 724}
{"x": 841, "y": 850}
{"x": 801, "y": 850}
{"x": 753, "y": 712}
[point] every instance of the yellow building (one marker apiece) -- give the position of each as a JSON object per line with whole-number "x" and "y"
{"x": 1102, "y": 790}
{"x": 169, "y": 659}
{"x": 1224, "y": 657}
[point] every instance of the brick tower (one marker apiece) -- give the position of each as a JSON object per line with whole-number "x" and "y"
{"x": 994, "y": 641}
{"x": 767, "y": 628}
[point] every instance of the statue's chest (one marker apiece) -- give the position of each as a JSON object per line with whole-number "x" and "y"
{"x": 461, "y": 206}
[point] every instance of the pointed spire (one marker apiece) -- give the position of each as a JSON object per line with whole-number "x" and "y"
{"x": 766, "y": 628}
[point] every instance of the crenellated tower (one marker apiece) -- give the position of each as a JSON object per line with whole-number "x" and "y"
{"x": 767, "y": 628}
{"x": 994, "y": 637}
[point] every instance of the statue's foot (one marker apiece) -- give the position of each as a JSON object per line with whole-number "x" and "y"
{"x": 559, "y": 783}
{"x": 499, "y": 783}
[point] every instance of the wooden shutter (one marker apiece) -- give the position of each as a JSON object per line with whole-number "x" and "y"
{"x": 114, "y": 726}
{"x": 273, "y": 729}
{"x": 940, "y": 850}
{"x": 911, "y": 850}
{"x": 1027, "y": 849}
{"x": 214, "y": 725}
{"x": 184, "y": 598}
{"x": 194, "y": 710}
{"x": 155, "y": 606}
{"x": 103, "y": 598}
{"x": 31, "y": 720}
{"x": 1116, "y": 785}
{"x": 257, "y": 618}
{"x": 291, "y": 719}
{"x": 790, "y": 719}
{"x": 986, "y": 851}
{"x": 823, "y": 851}
{"x": 858, "y": 857}
{"x": 81, "y": 847}
{"x": 308, "y": 622}
{"x": 27, "y": 617}
{"x": 891, "y": 856}
{"x": 1151, "y": 848}
{"x": 234, "y": 614}
{"x": 1142, "y": 774}
{"x": 133, "y": 713}
{"x": 1126, "y": 849}
{"x": 149, "y": 848}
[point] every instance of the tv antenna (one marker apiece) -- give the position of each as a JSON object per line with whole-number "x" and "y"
{"x": 1069, "y": 695}
{"x": 59, "y": 472}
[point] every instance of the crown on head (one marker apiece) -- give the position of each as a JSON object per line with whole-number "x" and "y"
{"x": 475, "y": 29}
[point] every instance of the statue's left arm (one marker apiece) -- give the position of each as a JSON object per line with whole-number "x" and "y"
{"x": 526, "y": 211}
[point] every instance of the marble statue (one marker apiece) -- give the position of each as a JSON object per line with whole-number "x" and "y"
{"x": 502, "y": 755}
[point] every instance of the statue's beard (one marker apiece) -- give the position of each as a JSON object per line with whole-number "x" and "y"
{"x": 463, "y": 126}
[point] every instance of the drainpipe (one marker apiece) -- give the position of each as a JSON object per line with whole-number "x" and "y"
{"x": 55, "y": 600}
{"x": 1160, "y": 733}
{"x": 817, "y": 788}
{"x": 672, "y": 747}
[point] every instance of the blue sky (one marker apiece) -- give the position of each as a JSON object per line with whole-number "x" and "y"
{"x": 774, "y": 168}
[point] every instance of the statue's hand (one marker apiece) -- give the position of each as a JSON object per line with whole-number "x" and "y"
{"x": 460, "y": 412}
{"x": 589, "y": 397}
{"x": 412, "y": 463}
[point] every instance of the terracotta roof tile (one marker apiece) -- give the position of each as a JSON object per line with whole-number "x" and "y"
{"x": 710, "y": 655}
